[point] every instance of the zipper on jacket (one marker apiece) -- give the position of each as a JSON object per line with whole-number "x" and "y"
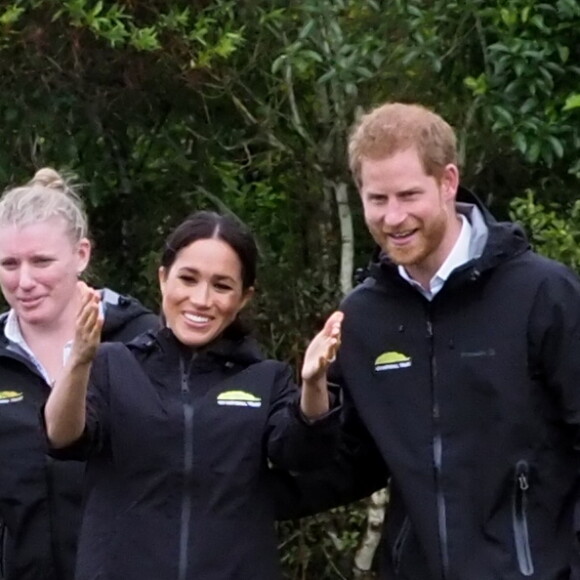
{"x": 3, "y": 542}
{"x": 399, "y": 544}
{"x": 520, "y": 518}
{"x": 186, "y": 502}
{"x": 438, "y": 462}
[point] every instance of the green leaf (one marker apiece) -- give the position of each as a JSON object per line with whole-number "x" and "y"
{"x": 327, "y": 76}
{"x": 526, "y": 14}
{"x": 364, "y": 72}
{"x": 538, "y": 22}
{"x": 521, "y": 143}
{"x": 414, "y": 11}
{"x": 557, "y": 146}
{"x": 312, "y": 55}
{"x": 512, "y": 88}
{"x": 306, "y": 29}
{"x": 11, "y": 15}
{"x": 547, "y": 76}
{"x": 547, "y": 156}
{"x": 520, "y": 67}
{"x": 508, "y": 16}
{"x": 504, "y": 115}
{"x": 572, "y": 102}
{"x": 277, "y": 64}
{"x": 529, "y": 105}
{"x": 534, "y": 151}
{"x": 97, "y": 8}
{"x": 564, "y": 53}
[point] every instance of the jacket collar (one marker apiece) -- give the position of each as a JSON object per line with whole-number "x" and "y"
{"x": 492, "y": 242}
{"x": 225, "y": 350}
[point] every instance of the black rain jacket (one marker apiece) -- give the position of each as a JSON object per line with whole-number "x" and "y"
{"x": 40, "y": 498}
{"x": 179, "y": 444}
{"x": 470, "y": 404}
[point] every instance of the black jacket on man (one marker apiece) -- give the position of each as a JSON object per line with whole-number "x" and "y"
{"x": 40, "y": 498}
{"x": 472, "y": 404}
{"x": 179, "y": 443}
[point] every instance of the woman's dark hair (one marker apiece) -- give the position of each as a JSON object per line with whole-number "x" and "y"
{"x": 203, "y": 225}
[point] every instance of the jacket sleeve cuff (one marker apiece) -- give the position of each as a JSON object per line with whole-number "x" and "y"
{"x": 330, "y": 418}
{"x": 76, "y": 451}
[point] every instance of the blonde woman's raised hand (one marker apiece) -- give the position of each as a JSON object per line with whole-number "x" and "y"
{"x": 89, "y": 324}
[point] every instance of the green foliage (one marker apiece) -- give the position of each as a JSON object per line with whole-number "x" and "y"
{"x": 554, "y": 230}
{"x": 321, "y": 546}
{"x": 527, "y": 88}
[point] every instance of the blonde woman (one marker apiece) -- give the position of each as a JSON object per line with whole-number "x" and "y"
{"x": 44, "y": 248}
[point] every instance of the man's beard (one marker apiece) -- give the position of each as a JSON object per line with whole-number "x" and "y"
{"x": 428, "y": 239}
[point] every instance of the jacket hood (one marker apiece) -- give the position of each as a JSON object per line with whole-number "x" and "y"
{"x": 503, "y": 240}
{"x": 119, "y": 310}
{"x": 492, "y": 242}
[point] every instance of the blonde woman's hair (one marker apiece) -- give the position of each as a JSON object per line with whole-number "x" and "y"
{"x": 47, "y": 195}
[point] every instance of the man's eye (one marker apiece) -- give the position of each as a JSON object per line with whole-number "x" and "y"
{"x": 9, "y": 264}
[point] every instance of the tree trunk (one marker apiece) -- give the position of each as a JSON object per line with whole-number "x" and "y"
{"x": 363, "y": 559}
{"x": 346, "y": 236}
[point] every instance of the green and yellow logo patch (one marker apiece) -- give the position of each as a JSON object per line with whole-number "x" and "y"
{"x": 392, "y": 360}
{"x": 10, "y": 397}
{"x": 238, "y": 399}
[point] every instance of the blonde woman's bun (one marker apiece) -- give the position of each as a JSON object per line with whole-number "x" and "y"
{"x": 48, "y": 177}
{"x": 48, "y": 194}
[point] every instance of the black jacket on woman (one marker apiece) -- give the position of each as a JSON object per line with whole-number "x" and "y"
{"x": 179, "y": 446}
{"x": 40, "y": 499}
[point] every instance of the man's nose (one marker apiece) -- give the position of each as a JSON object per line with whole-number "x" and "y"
{"x": 394, "y": 215}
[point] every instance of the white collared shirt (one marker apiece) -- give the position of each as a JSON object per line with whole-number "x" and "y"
{"x": 458, "y": 256}
{"x": 18, "y": 344}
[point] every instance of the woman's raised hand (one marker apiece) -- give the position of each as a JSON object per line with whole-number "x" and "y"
{"x": 322, "y": 349}
{"x": 88, "y": 325}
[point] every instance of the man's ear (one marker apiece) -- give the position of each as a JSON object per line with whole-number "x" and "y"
{"x": 450, "y": 182}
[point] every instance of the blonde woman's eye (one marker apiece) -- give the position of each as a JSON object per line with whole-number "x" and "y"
{"x": 9, "y": 264}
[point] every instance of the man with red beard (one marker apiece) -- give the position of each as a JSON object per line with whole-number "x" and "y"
{"x": 460, "y": 369}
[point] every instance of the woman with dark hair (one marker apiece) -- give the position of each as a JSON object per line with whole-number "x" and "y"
{"x": 181, "y": 427}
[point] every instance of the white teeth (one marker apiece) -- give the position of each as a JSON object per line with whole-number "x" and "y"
{"x": 196, "y": 318}
{"x": 401, "y": 234}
